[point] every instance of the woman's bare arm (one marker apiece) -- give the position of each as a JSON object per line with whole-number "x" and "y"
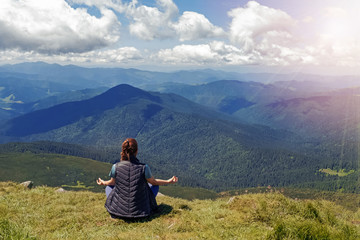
{"x": 110, "y": 182}
{"x": 154, "y": 181}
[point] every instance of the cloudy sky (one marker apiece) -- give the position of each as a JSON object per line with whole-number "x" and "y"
{"x": 320, "y": 36}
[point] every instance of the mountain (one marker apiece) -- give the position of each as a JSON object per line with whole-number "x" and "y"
{"x": 335, "y": 115}
{"x": 203, "y": 146}
{"x": 330, "y": 124}
{"x": 18, "y": 90}
{"x": 327, "y": 123}
{"x": 314, "y": 113}
{"x": 144, "y": 103}
{"x": 110, "y": 77}
{"x": 33, "y": 81}
{"x": 67, "y": 113}
{"x": 58, "y": 98}
{"x": 227, "y": 95}
{"x": 315, "y": 83}
{"x": 176, "y": 136}
{"x": 26, "y": 89}
{"x": 72, "y": 75}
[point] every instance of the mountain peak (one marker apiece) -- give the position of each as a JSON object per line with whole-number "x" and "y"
{"x": 122, "y": 93}
{"x": 70, "y": 112}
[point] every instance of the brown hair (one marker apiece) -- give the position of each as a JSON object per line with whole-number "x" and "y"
{"x": 129, "y": 148}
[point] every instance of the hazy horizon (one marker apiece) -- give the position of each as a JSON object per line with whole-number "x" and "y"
{"x": 317, "y": 37}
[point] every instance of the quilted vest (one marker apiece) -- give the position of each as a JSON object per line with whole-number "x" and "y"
{"x": 131, "y": 196}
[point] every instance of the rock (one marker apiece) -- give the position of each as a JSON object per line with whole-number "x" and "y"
{"x": 231, "y": 200}
{"x": 27, "y": 184}
{"x": 60, "y": 190}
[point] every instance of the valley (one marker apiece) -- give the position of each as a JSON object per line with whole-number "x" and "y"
{"x": 213, "y": 133}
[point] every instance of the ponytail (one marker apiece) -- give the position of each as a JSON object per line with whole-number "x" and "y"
{"x": 129, "y": 149}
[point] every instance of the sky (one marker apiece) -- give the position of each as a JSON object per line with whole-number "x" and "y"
{"x": 316, "y": 36}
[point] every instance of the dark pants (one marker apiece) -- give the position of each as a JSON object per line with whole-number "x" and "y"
{"x": 154, "y": 189}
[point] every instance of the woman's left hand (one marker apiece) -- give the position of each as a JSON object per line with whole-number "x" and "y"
{"x": 173, "y": 179}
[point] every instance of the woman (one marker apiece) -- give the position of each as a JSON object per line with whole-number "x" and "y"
{"x": 131, "y": 195}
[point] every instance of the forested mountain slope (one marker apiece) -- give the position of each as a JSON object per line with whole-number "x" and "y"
{"x": 177, "y": 136}
{"x": 333, "y": 116}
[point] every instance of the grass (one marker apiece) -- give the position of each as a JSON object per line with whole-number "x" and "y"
{"x": 72, "y": 173}
{"x": 54, "y": 170}
{"x": 350, "y": 201}
{"x": 188, "y": 192}
{"x": 42, "y": 213}
{"x": 79, "y": 185}
{"x": 340, "y": 173}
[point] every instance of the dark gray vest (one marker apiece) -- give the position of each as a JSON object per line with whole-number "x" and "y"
{"x": 131, "y": 196}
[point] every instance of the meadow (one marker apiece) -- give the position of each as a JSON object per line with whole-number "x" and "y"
{"x": 43, "y": 213}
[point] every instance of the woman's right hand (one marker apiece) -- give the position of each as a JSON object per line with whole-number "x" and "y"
{"x": 99, "y": 181}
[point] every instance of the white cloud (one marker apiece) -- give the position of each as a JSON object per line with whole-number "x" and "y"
{"x": 308, "y": 19}
{"x": 250, "y": 25}
{"x": 54, "y": 31}
{"x": 54, "y": 27}
{"x": 216, "y": 53}
{"x": 146, "y": 23}
{"x": 337, "y": 42}
{"x": 149, "y": 23}
{"x": 122, "y": 55}
{"x": 263, "y": 36}
{"x": 116, "y": 5}
{"x": 189, "y": 54}
{"x": 231, "y": 55}
{"x": 334, "y": 12}
{"x": 221, "y": 54}
{"x": 332, "y": 51}
{"x": 161, "y": 22}
{"x": 192, "y": 25}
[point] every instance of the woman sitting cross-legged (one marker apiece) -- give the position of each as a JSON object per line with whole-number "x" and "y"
{"x": 132, "y": 189}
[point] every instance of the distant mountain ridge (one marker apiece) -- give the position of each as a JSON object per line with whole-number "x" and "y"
{"x": 195, "y": 84}
{"x": 17, "y": 90}
{"x": 228, "y": 95}
{"x": 328, "y": 117}
{"x": 56, "y": 99}
{"x": 309, "y": 113}
{"x": 110, "y": 77}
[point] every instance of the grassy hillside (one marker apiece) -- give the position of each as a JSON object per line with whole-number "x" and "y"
{"x": 77, "y": 173}
{"x": 54, "y": 170}
{"x": 42, "y": 213}
{"x": 275, "y": 168}
{"x": 350, "y": 201}
{"x": 72, "y": 173}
